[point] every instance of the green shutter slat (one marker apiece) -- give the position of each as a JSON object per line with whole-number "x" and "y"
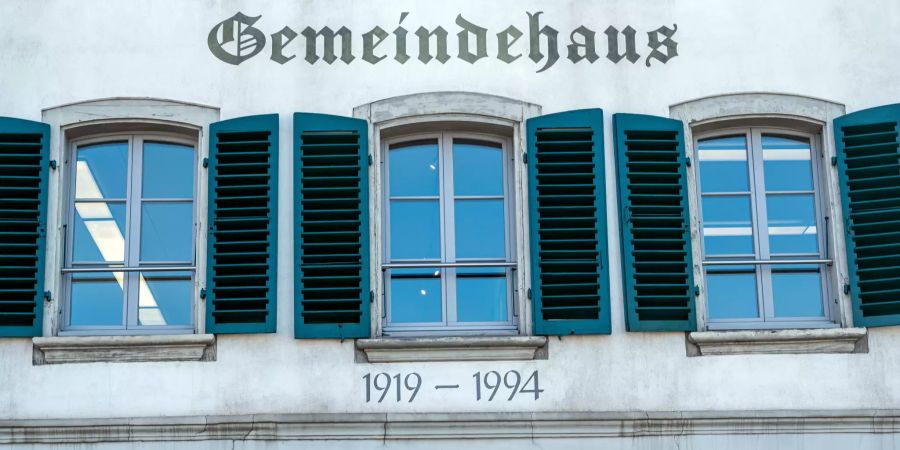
{"x": 569, "y": 277}
{"x": 242, "y": 242}
{"x": 24, "y": 171}
{"x": 331, "y": 227}
{"x": 868, "y": 157}
{"x": 653, "y": 203}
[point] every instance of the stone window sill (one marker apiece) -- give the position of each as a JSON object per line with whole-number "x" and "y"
{"x": 87, "y": 349}
{"x": 507, "y": 348}
{"x": 820, "y": 340}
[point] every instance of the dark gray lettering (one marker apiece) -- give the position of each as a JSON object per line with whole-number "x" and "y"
{"x": 312, "y": 55}
{"x": 588, "y": 45}
{"x": 535, "y": 31}
{"x": 279, "y": 41}
{"x": 237, "y": 29}
{"x": 369, "y": 44}
{"x": 469, "y": 28}
{"x": 612, "y": 42}
{"x": 504, "y": 43}
{"x": 440, "y": 35}
{"x": 670, "y": 45}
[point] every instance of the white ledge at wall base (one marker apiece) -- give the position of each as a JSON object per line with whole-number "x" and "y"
{"x": 86, "y": 349}
{"x": 508, "y": 348}
{"x": 821, "y": 340}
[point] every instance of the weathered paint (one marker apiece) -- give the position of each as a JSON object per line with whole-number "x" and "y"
{"x": 58, "y": 52}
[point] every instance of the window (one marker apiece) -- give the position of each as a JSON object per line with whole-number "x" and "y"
{"x": 764, "y": 253}
{"x": 130, "y": 255}
{"x": 449, "y": 244}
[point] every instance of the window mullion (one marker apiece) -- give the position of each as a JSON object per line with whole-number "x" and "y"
{"x": 134, "y": 225}
{"x": 448, "y": 237}
{"x": 761, "y": 226}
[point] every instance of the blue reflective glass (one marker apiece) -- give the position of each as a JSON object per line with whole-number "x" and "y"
{"x": 414, "y": 170}
{"x": 166, "y": 231}
{"x": 416, "y": 295}
{"x": 480, "y": 231}
{"x": 99, "y": 232}
{"x": 797, "y": 294}
{"x": 97, "y": 299}
{"x": 168, "y": 170}
{"x": 723, "y": 164}
{"x": 481, "y": 295}
{"x": 101, "y": 171}
{"x": 732, "y": 294}
{"x": 727, "y": 228}
{"x": 164, "y": 298}
{"x": 787, "y": 164}
{"x": 415, "y": 229}
{"x": 792, "y": 223}
{"x": 477, "y": 169}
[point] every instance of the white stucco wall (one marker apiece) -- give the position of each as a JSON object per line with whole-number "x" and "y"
{"x": 57, "y": 52}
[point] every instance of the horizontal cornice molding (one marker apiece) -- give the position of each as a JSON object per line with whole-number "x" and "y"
{"x": 408, "y": 426}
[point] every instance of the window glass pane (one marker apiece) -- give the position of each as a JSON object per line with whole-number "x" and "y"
{"x": 787, "y": 163}
{"x": 415, "y": 229}
{"x": 477, "y": 168}
{"x": 797, "y": 294}
{"x": 414, "y": 169}
{"x": 168, "y": 170}
{"x": 727, "y": 228}
{"x": 480, "y": 229}
{"x": 97, "y": 299}
{"x": 166, "y": 230}
{"x": 481, "y": 295}
{"x": 164, "y": 298}
{"x": 416, "y": 295}
{"x": 101, "y": 171}
{"x": 731, "y": 293}
{"x": 99, "y": 232}
{"x": 723, "y": 164}
{"x": 792, "y": 223}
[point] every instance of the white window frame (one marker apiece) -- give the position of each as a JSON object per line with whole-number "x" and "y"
{"x": 134, "y": 203}
{"x": 793, "y": 111}
{"x": 467, "y": 112}
{"x": 447, "y": 234}
{"x": 763, "y": 274}
{"x": 98, "y": 116}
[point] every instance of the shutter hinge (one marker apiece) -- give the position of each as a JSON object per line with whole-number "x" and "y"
{"x": 696, "y": 290}
{"x": 846, "y": 288}
{"x": 528, "y": 293}
{"x": 834, "y": 160}
{"x": 524, "y": 157}
{"x": 371, "y": 296}
{"x": 205, "y": 162}
{"x": 203, "y": 293}
{"x": 53, "y": 164}
{"x": 48, "y": 296}
{"x": 687, "y": 161}
{"x": 370, "y": 159}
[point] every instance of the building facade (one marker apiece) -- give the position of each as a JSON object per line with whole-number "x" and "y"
{"x": 343, "y": 224}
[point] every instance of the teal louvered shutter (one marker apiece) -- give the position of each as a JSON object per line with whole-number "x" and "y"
{"x": 24, "y": 168}
{"x": 868, "y": 161}
{"x": 243, "y": 216}
{"x": 658, "y": 279}
{"x": 567, "y": 217}
{"x": 331, "y": 227}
